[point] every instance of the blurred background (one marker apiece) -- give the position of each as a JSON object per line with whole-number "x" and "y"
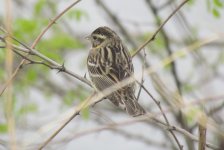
{"x": 183, "y": 69}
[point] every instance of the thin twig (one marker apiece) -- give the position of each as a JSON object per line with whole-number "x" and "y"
{"x": 122, "y": 29}
{"x": 94, "y": 98}
{"x": 53, "y": 21}
{"x": 167, "y": 45}
{"x": 32, "y": 61}
{"x": 148, "y": 117}
{"x": 9, "y": 60}
{"x": 202, "y": 132}
{"x": 142, "y": 77}
{"x": 115, "y": 19}
{"x": 76, "y": 112}
{"x": 128, "y": 81}
{"x": 177, "y": 82}
{"x": 35, "y": 43}
{"x": 159, "y": 28}
{"x": 128, "y": 122}
{"x": 132, "y": 42}
{"x": 163, "y": 114}
{"x": 11, "y": 78}
{"x": 60, "y": 68}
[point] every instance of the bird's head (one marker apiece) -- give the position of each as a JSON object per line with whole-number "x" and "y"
{"x": 101, "y": 35}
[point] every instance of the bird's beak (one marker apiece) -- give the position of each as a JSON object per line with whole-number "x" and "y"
{"x": 88, "y": 37}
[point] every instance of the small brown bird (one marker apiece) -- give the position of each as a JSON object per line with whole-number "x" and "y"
{"x": 109, "y": 62}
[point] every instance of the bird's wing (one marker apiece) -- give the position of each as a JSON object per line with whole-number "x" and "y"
{"x": 98, "y": 73}
{"x": 122, "y": 66}
{"x": 109, "y": 66}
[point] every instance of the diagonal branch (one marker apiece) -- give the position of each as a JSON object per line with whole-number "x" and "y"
{"x": 34, "y": 44}
{"x": 163, "y": 114}
{"x": 76, "y": 112}
{"x": 148, "y": 117}
{"x": 173, "y": 64}
{"x": 60, "y": 68}
{"x": 159, "y": 28}
{"x": 97, "y": 97}
{"x": 52, "y": 22}
{"x": 202, "y": 132}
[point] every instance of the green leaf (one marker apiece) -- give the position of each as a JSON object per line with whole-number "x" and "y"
{"x": 32, "y": 75}
{"x": 52, "y": 53}
{"x": 28, "y": 108}
{"x": 188, "y": 87}
{"x": 191, "y": 112}
{"x": 191, "y": 2}
{"x": 218, "y": 3}
{"x": 215, "y": 12}
{"x": 25, "y": 24}
{"x": 2, "y": 74}
{"x": 77, "y": 14}
{"x": 39, "y": 6}
{"x": 168, "y": 67}
{"x": 69, "y": 98}
{"x": 159, "y": 42}
{"x": 3, "y": 128}
{"x": 26, "y": 29}
{"x": 52, "y": 46}
{"x": 2, "y": 54}
{"x": 85, "y": 113}
{"x": 208, "y": 5}
{"x": 221, "y": 57}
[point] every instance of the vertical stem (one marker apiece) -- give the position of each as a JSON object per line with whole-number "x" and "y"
{"x": 202, "y": 137}
{"x": 202, "y": 131}
{"x": 174, "y": 72}
{"x": 9, "y": 68}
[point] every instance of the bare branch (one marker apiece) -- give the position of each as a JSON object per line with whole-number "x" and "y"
{"x": 142, "y": 77}
{"x": 52, "y": 22}
{"x": 76, "y": 112}
{"x": 202, "y": 132}
{"x": 147, "y": 117}
{"x": 34, "y": 44}
{"x": 159, "y": 28}
{"x": 57, "y": 66}
{"x": 177, "y": 82}
{"x": 163, "y": 114}
{"x": 97, "y": 97}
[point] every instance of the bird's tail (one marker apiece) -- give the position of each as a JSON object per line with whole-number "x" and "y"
{"x": 133, "y": 108}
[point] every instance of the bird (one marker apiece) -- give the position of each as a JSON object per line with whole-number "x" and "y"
{"x": 109, "y": 62}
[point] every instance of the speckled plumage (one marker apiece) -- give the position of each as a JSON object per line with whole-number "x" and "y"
{"x": 109, "y": 62}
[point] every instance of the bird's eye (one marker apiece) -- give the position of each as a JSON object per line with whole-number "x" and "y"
{"x": 94, "y": 37}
